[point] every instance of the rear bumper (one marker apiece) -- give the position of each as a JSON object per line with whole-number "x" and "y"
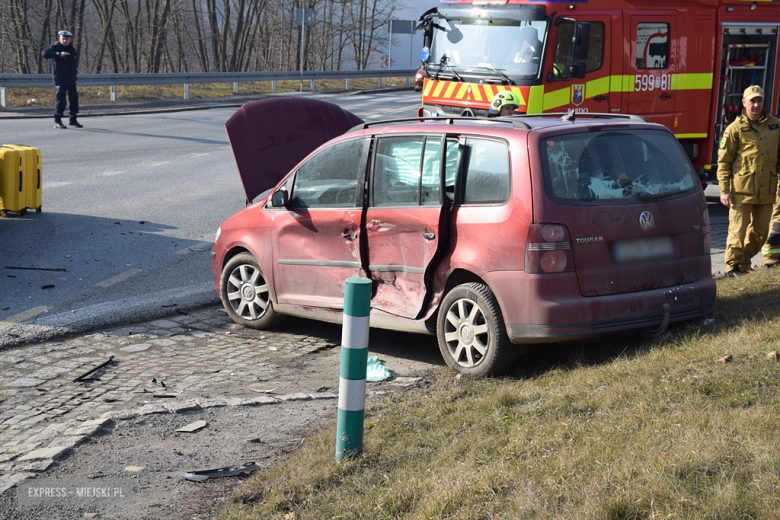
{"x": 548, "y": 333}
{"x": 538, "y": 309}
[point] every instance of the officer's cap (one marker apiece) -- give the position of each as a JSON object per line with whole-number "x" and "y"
{"x": 753, "y": 91}
{"x": 66, "y": 34}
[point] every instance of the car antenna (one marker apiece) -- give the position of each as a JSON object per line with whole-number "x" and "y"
{"x": 569, "y": 116}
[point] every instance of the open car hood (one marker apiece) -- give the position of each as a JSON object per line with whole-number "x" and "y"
{"x": 269, "y": 137}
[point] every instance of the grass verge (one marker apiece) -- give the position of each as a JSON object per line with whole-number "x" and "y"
{"x": 622, "y": 428}
{"x": 19, "y": 96}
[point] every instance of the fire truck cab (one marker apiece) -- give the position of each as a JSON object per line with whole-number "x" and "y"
{"x": 682, "y": 63}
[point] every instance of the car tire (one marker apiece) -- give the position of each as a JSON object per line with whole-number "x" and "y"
{"x": 244, "y": 294}
{"x": 471, "y": 332}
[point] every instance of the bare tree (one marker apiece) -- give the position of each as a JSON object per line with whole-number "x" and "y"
{"x": 198, "y": 35}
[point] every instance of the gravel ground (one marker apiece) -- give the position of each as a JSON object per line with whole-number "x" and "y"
{"x": 261, "y": 393}
{"x": 233, "y": 436}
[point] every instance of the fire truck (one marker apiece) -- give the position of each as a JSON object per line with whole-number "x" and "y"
{"x": 681, "y": 63}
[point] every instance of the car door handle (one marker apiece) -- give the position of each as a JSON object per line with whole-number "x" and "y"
{"x": 429, "y": 236}
{"x": 601, "y": 98}
{"x": 349, "y": 236}
{"x": 666, "y": 96}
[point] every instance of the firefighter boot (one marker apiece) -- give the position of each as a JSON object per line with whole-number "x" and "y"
{"x": 74, "y": 122}
{"x": 58, "y": 123}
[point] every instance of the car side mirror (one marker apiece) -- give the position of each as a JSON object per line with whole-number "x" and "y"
{"x": 578, "y": 69}
{"x": 280, "y": 199}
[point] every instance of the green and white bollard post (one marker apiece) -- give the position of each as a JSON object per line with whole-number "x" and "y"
{"x": 354, "y": 355}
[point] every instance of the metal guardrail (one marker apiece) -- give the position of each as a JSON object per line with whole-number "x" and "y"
{"x": 185, "y": 78}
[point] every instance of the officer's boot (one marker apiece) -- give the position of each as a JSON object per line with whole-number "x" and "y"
{"x": 74, "y": 122}
{"x": 58, "y": 123}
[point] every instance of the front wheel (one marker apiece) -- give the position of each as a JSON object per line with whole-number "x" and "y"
{"x": 471, "y": 332}
{"x": 244, "y": 293}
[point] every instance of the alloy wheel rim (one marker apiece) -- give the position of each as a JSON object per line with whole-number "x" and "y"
{"x": 247, "y": 292}
{"x": 466, "y": 333}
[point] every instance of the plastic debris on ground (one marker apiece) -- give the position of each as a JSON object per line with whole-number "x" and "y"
{"x": 241, "y": 471}
{"x": 376, "y": 371}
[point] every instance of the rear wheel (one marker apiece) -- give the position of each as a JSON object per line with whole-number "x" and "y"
{"x": 244, "y": 293}
{"x": 471, "y": 332}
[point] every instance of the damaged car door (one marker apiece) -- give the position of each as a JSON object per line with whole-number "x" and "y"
{"x": 404, "y": 217}
{"x": 317, "y": 233}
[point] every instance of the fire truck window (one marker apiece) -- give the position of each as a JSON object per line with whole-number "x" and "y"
{"x": 562, "y": 50}
{"x": 652, "y": 45}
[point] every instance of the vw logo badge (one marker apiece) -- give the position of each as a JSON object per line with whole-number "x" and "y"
{"x": 646, "y": 220}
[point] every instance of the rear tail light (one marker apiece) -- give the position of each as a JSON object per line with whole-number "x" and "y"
{"x": 548, "y": 250}
{"x": 705, "y": 233}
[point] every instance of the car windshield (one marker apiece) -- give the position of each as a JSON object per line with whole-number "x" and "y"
{"x": 469, "y": 45}
{"x": 624, "y": 167}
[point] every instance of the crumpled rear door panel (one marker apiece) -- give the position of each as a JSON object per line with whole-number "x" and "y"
{"x": 401, "y": 244}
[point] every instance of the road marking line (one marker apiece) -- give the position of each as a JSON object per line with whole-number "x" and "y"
{"x": 119, "y": 278}
{"x": 26, "y": 315}
{"x": 203, "y": 246}
{"x": 55, "y": 184}
{"x": 159, "y": 163}
{"x": 115, "y": 172}
{"x": 196, "y": 155}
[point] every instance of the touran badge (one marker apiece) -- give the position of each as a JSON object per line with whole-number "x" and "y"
{"x": 646, "y": 220}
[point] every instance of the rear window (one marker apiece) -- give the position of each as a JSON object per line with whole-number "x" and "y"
{"x": 623, "y": 167}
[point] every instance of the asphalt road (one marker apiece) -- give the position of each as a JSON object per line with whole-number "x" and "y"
{"x": 131, "y": 204}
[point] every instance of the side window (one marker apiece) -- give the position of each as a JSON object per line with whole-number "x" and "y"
{"x": 562, "y": 49}
{"x": 406, "y": 171}
{"x": 397, "y": 171}
{"x": 329, "y": 179}
{"x": 486, "y": 176}
{"x": 652, "y": 45}
{"x": 429, "y": 185}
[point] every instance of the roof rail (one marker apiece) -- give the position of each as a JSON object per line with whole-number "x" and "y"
{"x": 446, "y": 120}
{"x": 571, "y": 116}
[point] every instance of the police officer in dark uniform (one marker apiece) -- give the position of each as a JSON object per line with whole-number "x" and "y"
{"x": 64, "y": 69}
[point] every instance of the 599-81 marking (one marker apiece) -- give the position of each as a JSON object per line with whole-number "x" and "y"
{"x": 645, "y": 82}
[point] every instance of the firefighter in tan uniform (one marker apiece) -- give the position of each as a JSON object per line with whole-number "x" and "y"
{"x": 771, "y": 249}
{"x": 747, "y": 174}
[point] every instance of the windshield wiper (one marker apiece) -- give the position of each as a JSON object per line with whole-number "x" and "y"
{"x": 449, "y": 69}
{"x": 648, "y": 196}
{"x": 506, "y": 78}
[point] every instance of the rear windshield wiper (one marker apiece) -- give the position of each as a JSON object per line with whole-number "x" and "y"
{"x": 506, "y": 78}
{"x": 651, "y": 196}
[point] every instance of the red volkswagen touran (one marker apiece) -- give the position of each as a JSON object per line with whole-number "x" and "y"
{"x": 492, "y": 234}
